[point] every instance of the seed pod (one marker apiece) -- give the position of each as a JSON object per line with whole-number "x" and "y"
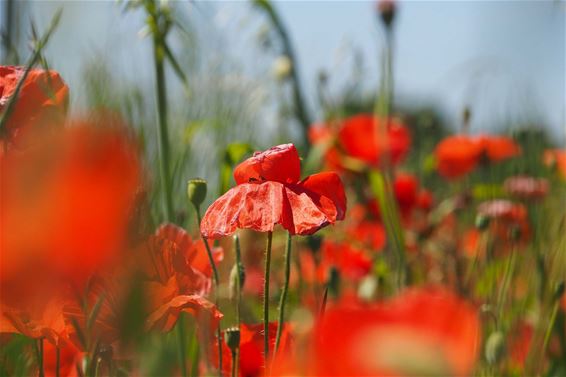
{"x": 232, "y": 338}
{"x": 196, "y": 190}
{"x": 494, "y": 347}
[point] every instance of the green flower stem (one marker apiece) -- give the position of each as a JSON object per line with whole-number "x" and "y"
{"x": 283, "y": 299}
{"x": 507, "y": 276}
{"x": 181, "y": 345}
{"x": 162, "y": 128}
{"x": 236, "y": 353}
{"x": 216, "y": 288}
{"x": 234, "y": 370}
{"x": 40, "y": 357}
{"x": 266, "y": 297}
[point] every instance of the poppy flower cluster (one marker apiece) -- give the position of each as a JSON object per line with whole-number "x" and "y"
{"x": 365, "y": 138}
{"x": 458, "y": 155}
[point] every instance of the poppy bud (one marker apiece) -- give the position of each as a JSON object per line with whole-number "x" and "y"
{"x": 482, "y": 222}
{"x": 232, "y": 338}
{"x": 386, "y": 10}
{"x": 494, "y": 347}
{"x": 233, "y": 287}
{"x": 282, "y": 68}
{"x": 196, "y": 190}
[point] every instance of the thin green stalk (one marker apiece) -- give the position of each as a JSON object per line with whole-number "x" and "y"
{"x": 507, "y": 276}
{"x": 283, "y": 299}
{"x": 266, "y": 298}
{"x": 238, "y": 280}
{"x": 239, "y": 273}
{"x": 162, "y": 128}
{"x": 194, "y": 354}
{"x": 234, "y": 369}
{"x": 40, "y": 357}
{"x": 181, "y": 345}
{"x": 548, "y": 332}
{"x": 301, "y": 111}
{"x": 216, "y": 290}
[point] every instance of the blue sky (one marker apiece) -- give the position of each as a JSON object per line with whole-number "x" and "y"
{"x": 506, "y": 59}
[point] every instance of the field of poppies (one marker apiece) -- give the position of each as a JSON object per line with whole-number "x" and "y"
{"x": 371, "y": 242}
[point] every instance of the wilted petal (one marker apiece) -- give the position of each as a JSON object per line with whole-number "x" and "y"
{"x": 247, "y": 206}
{"x": 164, "y": 318}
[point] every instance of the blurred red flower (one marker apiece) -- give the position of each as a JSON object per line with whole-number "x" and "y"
{"x": 370, "y": 139}
{"x": 419, "y": 332}
{"x": 251, "y": 358}
{"x": 42, "y": 100}
{"x": 67, "y": 201}
{"x": 269, "y": 192}
{"x": 460, "y": 154}
{"x": 556, "y": 158}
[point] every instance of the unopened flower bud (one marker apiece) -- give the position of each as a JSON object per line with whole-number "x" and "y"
{"x": 482, "y": 222}
{"x": 494, "y": 347}
{"x": 196, "y": 190}
{"x": 232, "y": 338}
{"x": 235, "y": 279}
{"x": 282, "y": 67}
{"x": 386, "y": 9}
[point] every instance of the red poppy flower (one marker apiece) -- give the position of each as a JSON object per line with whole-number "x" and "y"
{"x": 370, "y": 233}
{"x": 269, "y": 192}
{"x": 68, "y": 201}
{"x": 457, "y": 155}
{"x": 369, "y": 139}
{"x": 35, "y": 321}
{"x": 351, "y": 262}
{"x": 498, "y": 148}
{"x": 556, "y": 158}
{"x": 419, "y": 332}
{"x": 174, "y": 283}
{"x": 519, "y": 343}
{"x": 460, "y": 154}
{"x": 252, "y": 362}
{"x": 42, "y": 100}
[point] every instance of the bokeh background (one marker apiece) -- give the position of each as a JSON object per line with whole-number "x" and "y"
{"x": 505, "y": 59}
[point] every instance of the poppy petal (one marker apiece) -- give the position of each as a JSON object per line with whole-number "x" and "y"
{"x": 164, "y": 318}
{"x": 280, "y": 164}
{"x": 247, "y": 206}
{"x": 330, "y": 186}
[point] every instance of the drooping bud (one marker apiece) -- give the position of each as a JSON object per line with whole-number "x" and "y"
{"x": 232, "y": 338}
{"x": 386, "y": 9}
{"x": 482, "y": 222}
{"x": 196, "y": 190}
{"x": 494, "y": 347}
{"x": 236, "y": 282}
